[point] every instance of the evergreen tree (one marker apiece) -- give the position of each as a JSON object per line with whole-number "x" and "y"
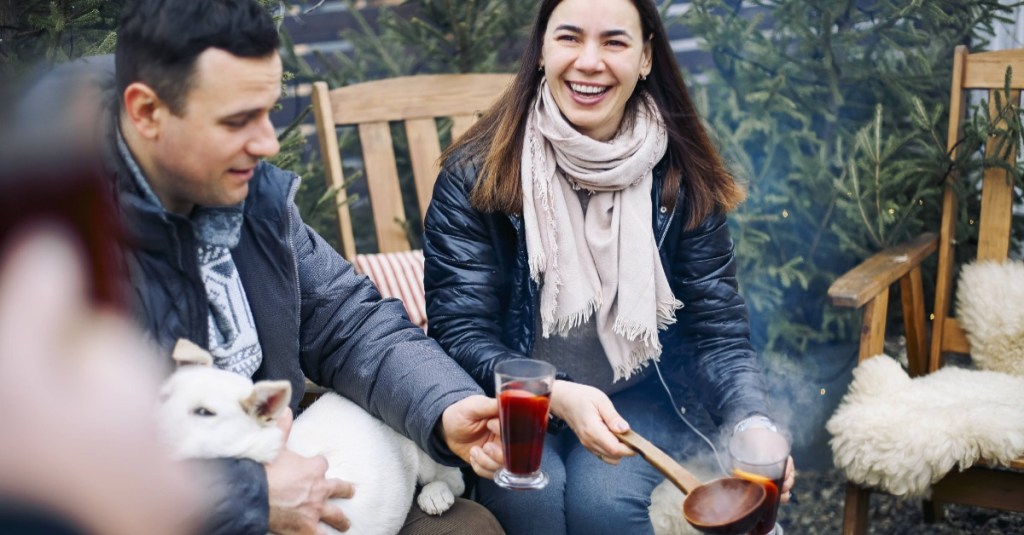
{"x": 417, "y": 37}
{"x": 831, "y": 113}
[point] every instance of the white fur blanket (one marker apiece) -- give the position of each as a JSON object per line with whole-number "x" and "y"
{"x": 990, "y": 307}
{"x": 901, "y": 434}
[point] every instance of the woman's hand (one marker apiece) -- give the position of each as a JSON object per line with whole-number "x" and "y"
{"x": 787, "y": 484}
{"x": 593, "y": 418}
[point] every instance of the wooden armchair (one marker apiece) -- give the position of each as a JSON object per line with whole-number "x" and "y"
{"x": 867, "y": 287}
{"x": 415, "y": 100}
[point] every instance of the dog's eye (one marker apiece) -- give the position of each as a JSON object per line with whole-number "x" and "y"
{"x": 203, "y": 411}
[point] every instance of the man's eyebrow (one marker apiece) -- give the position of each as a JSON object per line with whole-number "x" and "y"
{"x": 242, "y": 114}
{"x": 605, "y": 34}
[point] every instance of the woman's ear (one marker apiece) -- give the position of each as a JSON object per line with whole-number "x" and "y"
{"x": 647, "y": 58}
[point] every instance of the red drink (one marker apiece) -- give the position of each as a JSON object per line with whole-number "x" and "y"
{"x": 770, "y": 507}
{"x": 524, "y": 419}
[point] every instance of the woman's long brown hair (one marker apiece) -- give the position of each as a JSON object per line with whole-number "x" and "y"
{"x": 498, "y": 135}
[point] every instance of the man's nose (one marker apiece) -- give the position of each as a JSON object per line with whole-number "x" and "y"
{"x": 264, "y": 144}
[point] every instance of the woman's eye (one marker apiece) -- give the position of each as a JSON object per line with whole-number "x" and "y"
{"x": 203, "y": 411}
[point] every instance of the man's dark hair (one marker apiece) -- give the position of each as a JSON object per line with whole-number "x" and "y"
{"x": 158, "y": 41}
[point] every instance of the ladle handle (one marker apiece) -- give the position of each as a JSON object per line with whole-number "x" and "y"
{"x": 675, "y": 473}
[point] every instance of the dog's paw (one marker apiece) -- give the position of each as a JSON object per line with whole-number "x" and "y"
{"x": 435, "y": 498}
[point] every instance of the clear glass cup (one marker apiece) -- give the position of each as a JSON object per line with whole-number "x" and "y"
{"x": 760, "y": 453}
{"x": 523, "y": 389}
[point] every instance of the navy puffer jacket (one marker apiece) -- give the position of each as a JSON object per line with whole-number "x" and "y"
{"x": 481, "y": 300}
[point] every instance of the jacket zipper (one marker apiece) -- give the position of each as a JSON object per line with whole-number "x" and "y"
{"x": 665, "y": 232}
{"x": 292, "y": 191}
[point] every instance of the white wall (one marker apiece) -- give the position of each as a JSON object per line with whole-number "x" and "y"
{"x": 1009, "y": 35}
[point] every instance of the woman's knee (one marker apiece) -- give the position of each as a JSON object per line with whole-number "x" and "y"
{"x": 621, "y": 493}
{"x": 535, "y": 511}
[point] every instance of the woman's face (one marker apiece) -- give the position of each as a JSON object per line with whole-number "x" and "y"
{"x": 593, "y": 55}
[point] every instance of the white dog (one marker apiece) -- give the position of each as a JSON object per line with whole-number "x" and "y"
{"x": 209, "y": 413}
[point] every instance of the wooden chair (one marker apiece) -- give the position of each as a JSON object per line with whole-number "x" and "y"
{"x": 415, "y": 100}
{"x": 867, "y": 287}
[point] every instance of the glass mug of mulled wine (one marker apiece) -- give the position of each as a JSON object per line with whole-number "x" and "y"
{"x": 523, "y": 389}
{"x": 759, "y": 453}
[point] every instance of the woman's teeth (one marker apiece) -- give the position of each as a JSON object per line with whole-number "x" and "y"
{"x": 588, "y": 90}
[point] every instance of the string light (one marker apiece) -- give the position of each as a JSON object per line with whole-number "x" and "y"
{"x": 823, "y": 391}
{"x": 785, "y": 213}
{"x": 892, "y": 211}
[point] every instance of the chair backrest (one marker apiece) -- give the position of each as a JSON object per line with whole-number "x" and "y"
{"x": 985, "y": 71}
{"x": 415, "y": 100}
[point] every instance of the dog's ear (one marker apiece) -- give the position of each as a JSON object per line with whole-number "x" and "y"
{"x": 187, "y": 353}
{"x": 268, "y": 400}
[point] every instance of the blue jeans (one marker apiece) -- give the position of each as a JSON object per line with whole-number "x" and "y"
{"x": 586, "y": 495}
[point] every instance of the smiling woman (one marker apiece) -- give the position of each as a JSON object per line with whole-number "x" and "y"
{"x": 589, "y": 204}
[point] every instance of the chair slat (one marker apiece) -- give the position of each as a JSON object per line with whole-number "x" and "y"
{"x": 912, "y": 298}
{"x": 997, "y": 194}
{"x": 327, "y": 133}
{"x": 985, "y": 70}
{"x": 424, "y": 151}
{"x": 872, "y": 333}
{"x": 954, "y": 340}
{"x": 461, "y": 123}
{"x": 415, "y": 97}
{"x": 382, "y": 182}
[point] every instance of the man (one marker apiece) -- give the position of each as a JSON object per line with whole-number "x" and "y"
{"x": 220, "y": 256}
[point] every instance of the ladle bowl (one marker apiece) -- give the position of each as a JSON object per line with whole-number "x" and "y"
{"x": 729, "y": 505}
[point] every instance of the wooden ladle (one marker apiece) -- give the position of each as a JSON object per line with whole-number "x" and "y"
{"x": 728, "y": 505}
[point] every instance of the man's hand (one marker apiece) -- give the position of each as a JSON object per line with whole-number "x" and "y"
{"x": 593, "y": 418}
{"x": 299, "y": 492}
{"x": 79, "y": 394}
{"x": 470, "y": 429}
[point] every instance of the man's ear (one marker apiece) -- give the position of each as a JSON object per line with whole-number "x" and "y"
{"x": 187, "y": 353}
{"x": 268, "y": 400}
{"x": 143, "y": 109}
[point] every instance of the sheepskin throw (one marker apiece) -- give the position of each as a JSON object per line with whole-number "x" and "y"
{"x": 901, "y": 434}
{"x": 990, "y": 307}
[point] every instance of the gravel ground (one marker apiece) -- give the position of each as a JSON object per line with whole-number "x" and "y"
{"x": 820, "y": 510}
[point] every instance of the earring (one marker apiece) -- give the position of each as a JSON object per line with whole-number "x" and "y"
{"x": 643, "y": 77}
{"x": 540, "y": 68}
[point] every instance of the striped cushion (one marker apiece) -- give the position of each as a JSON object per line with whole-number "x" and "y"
{"x": 398, "y": 275}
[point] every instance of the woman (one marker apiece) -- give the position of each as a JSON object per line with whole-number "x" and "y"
{"x": 582, "y": 221}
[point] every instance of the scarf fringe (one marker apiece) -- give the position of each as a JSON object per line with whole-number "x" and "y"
{"x": 561, "y": 326}
{"x": 639, "y": 358}
{"x": 637, "y": 332}
{"x": 667, "y": 313}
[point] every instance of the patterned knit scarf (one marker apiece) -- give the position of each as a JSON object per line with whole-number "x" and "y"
{"x": 605, "y": 261}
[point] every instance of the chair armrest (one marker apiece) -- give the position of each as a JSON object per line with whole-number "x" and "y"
{"x": 862, "y": 283}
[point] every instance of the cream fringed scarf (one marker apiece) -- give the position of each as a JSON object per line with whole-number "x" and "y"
{"x": 607, "y": 260}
